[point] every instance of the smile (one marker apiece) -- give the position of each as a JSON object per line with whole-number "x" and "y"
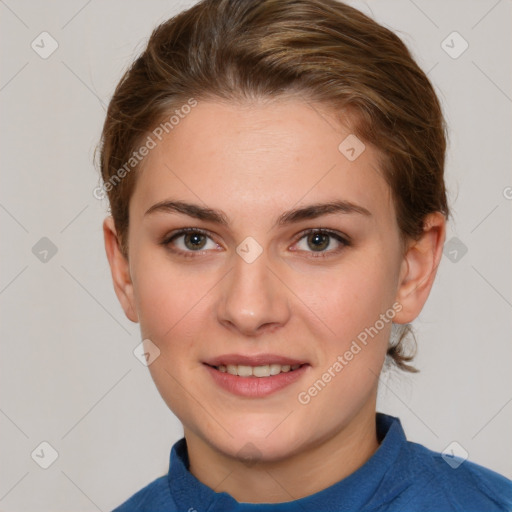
{"x": 255, "y": 376}
{"x": 267, "y": 370}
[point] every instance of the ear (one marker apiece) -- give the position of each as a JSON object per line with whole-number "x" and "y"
{"x": 120, "y": 270}
{"x": 419, "y": 268}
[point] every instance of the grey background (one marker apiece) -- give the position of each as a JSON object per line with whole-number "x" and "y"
{"x": 68, "y": 374}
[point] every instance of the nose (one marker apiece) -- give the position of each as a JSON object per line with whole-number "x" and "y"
{"x": 254, "y": 298}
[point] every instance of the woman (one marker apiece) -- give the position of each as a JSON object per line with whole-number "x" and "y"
{"x": 275, "y": 176}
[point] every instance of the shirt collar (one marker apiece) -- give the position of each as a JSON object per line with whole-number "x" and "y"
{"x": 350, "y": 493}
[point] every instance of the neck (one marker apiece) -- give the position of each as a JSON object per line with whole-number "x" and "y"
{"x": 304, "y": 473}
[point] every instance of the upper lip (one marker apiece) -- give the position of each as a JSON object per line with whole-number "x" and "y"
{"x": 255, "y": 360}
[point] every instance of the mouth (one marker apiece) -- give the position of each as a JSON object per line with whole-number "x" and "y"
{"x": 261, "y": 371}
{"x": 255, "y": 376}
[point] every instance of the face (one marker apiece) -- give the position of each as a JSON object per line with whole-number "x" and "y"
{"x": 266, "y": 279}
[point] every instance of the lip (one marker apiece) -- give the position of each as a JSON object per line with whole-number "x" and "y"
{"x": 255, "y": 387}
{"x": 255, "y": 360}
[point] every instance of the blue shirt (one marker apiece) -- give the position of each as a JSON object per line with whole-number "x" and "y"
{"x": 399, "y": 476}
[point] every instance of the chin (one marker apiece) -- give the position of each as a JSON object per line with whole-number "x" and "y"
{"x": 252, "y": 451}
{"x": 268, "y": 442}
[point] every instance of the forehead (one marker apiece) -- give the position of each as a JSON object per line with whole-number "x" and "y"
{"x": 255, "y": 157}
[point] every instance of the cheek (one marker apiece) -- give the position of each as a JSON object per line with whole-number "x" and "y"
{"x": 174, "y": 307}
{"x": 350, "y": 301}
{"x": 349, "y": 297}
{"x": 164, "y": 292}
{"x": 171, "y": 313}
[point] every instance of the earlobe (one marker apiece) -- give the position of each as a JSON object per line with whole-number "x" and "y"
{"x": 120, "y": 270}
{"x": 419, "y": 268}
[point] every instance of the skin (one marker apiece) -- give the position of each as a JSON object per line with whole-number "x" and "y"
{"x": 254, "y": 161}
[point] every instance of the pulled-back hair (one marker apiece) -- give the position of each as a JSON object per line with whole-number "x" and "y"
{"x": 321, "y": 50}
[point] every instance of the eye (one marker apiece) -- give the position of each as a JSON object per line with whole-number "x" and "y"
{"x": 189, "y": 240}
{"x": 319, "y": 240}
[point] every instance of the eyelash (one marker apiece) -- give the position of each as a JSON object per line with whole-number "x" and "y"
{"x": 321, "y": 254}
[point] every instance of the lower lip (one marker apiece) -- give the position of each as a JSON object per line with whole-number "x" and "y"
{"x": 255, "y": 387}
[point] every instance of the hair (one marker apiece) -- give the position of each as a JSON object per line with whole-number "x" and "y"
{"x": 322, "y": 51}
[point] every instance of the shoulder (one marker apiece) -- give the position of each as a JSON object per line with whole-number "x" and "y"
{"x": 454, "y": 483}
{"x": 155, "y": 496}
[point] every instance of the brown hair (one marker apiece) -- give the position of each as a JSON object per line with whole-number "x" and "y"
{"x": 323, "y": 50}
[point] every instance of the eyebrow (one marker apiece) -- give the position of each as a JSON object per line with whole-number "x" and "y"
{"x": 290, "y": 217}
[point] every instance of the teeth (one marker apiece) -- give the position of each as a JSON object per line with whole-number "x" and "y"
{"x": 275, "y": 369}
{"x": 257, "y": 371}
{"x": 261, "y": 371}
{"x": 232, "y": 369}
{"x": 244, "y": 371}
